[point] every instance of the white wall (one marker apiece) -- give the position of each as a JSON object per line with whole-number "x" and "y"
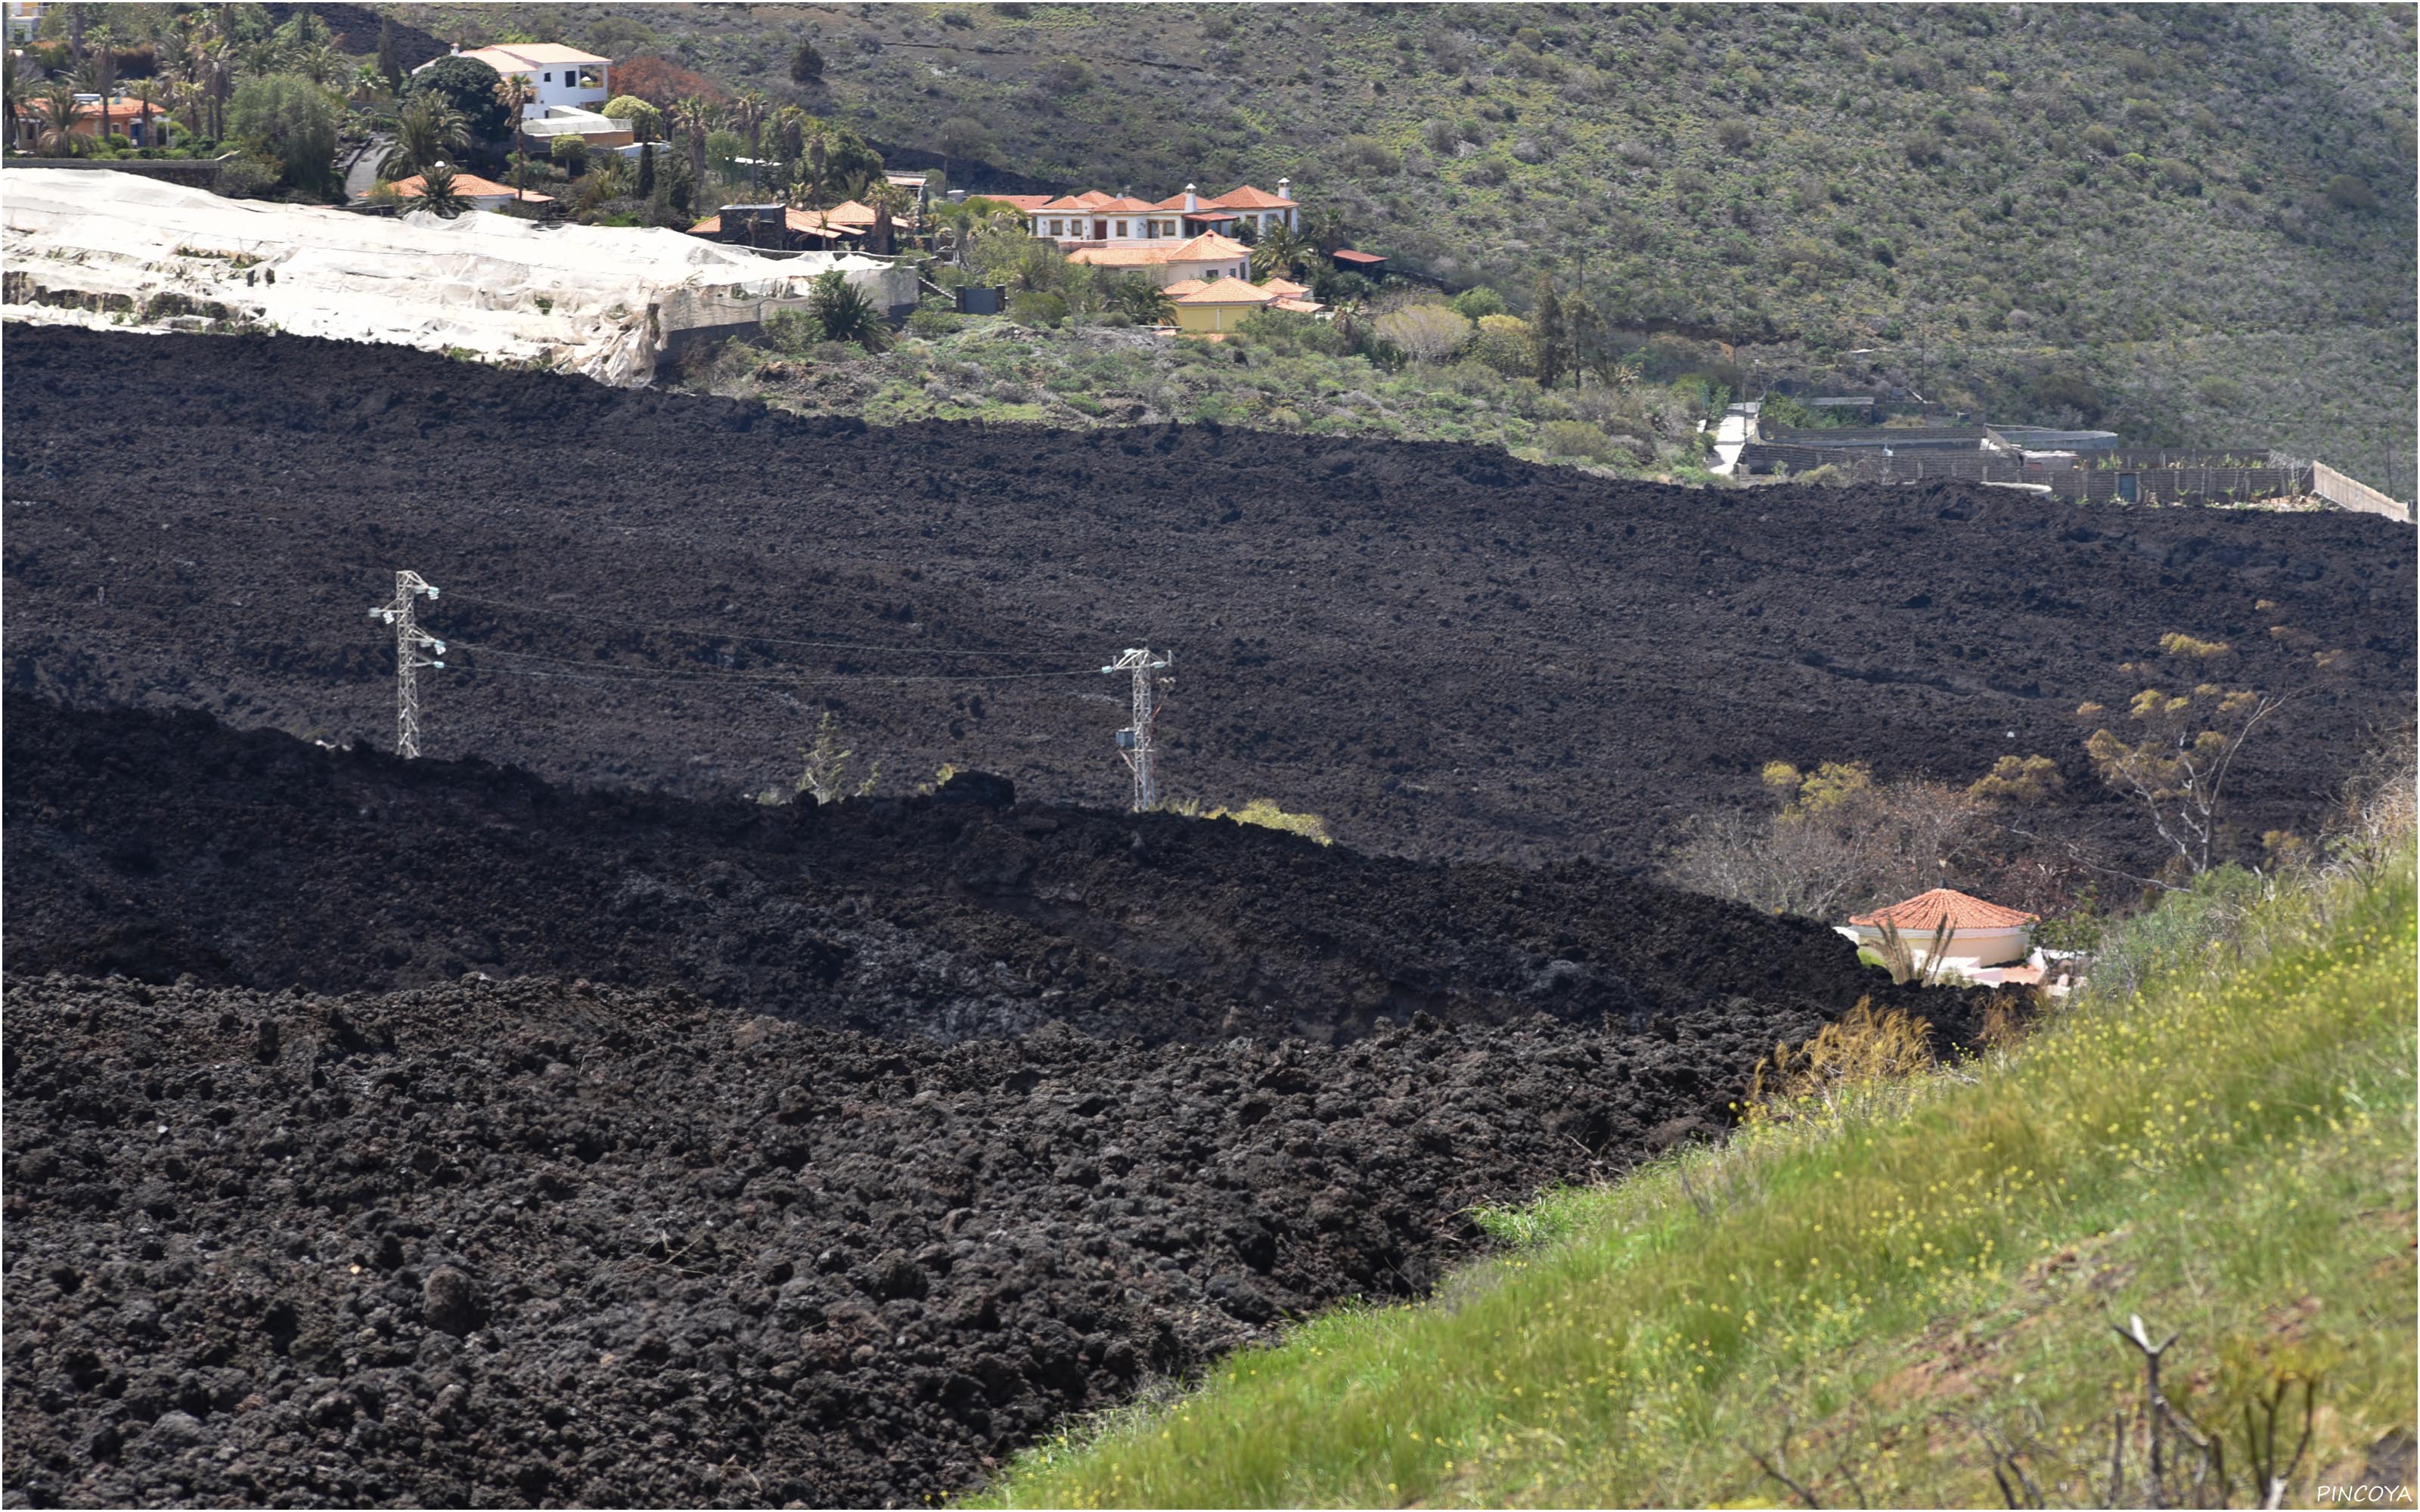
{"x": 1966, "y": 950}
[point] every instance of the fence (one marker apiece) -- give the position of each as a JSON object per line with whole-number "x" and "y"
{"x": 2350, "y": 493}
{"x": 2146, "y": 484}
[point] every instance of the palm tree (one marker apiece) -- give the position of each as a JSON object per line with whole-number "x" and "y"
{"x": 438, "y": 194}
{"x": 1280, "y": 250}
{"x": 748, "y": 112}
{"x": 1324, "y": 229}
{"x": 693, "y": 117}
{"x": 61, "y": 110}
{"x": 845, "y": 314}
{"x": 888, "y": 201}
{"x": 148, "y": 91}
{"x": 425, "y": 130}
{"x": 1140, "y": 300}
{"x": 101, "y": 67}
{"x": 513, "y": 91}
{"x": 15, "y": 87}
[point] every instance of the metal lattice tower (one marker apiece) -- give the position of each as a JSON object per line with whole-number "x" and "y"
{"x": 408, "y": 640}
{"x": 1134, "y": 742}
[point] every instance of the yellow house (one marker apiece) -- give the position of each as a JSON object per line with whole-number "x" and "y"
{"x": 1220, "y": 305}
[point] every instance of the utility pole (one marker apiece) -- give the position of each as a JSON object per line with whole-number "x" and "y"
{"x": 1134, "y": 742}
{"x": 408, "y": 640}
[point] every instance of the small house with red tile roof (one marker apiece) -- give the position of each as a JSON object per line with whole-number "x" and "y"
{"x": 1981, "y": 933}
{"x": 146, "y": 126}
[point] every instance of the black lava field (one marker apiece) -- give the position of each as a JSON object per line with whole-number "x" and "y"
{"x": 1442, "y": 650}
{"x": 904, "y": 1128}
{"x": 546, "y": 1122}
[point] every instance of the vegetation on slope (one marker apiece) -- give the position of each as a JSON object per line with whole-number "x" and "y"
{"x": 1891, "y": 1294}
{"x": 1962, "y": 197}
{"x": 1282, "y": 372}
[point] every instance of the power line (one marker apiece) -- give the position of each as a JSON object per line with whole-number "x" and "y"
{"x": 620, "y": 672}
{"x": 744, "y": 635}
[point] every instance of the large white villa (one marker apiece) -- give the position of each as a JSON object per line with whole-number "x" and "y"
{"x": 1094, "y": 218}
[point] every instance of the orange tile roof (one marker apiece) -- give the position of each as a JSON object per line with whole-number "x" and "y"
{"x": 1229, "y": 291}
{"x": 1119, "y": 257}
{"x": 1923, "y": 914}
{"x": 470, "y": 185}
{"x": 1245, "y": 198}
{"x": 1123, "y": 206}
{"x": 1027, "y": 203}
{"x": 804, "y": 222}
{"x": 1300, "y": 306}
{"x": 120, "y": 109}
{"x": 1285, "y": 287}
{"x": 1209, "y": 247}
{"x": 1183, "y": 286}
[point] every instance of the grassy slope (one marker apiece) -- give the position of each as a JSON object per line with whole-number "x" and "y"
{"x": 2229, "y": 1155}
{"x": 1450, "y": 141}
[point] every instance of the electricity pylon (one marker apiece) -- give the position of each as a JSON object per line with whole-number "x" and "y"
{"x": 1134, "y": 742}
{"x": 408, "y": 640}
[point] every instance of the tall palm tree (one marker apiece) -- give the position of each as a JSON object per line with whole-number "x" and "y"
{"x": 98, "y": 73}
{"x": 424, "y": 131}
{"x": 1324, "y": 229}
{"x": 790, "y": 135}
{"x": 693, "y": 117}
{"x": 17, "y": 87}
{"x": 440, "y": 195}
{"x": 147, "y": 92}
{"x": 888, "y": 201}
{"x": 513, "y": 91}
{"x": 748, "y": 112}
{"x": 61, "y": 110}
{"x": 215, "y": 62}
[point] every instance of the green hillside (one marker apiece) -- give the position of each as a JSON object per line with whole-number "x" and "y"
{"x": 2161, "y": 206}
{"x": 1890, "y": 1297}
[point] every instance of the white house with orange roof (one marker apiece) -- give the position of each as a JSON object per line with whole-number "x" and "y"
{"x": 1981, "y": 934}
{"x": 1094, "y": 218}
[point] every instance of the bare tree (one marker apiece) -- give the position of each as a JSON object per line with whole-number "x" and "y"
{"x": 1424, "y": 332}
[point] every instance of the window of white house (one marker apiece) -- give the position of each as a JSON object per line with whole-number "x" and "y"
{"x": 1057, "y": 227}
{"x": 549, "y": 78}
{"x": 1122, "y": 229}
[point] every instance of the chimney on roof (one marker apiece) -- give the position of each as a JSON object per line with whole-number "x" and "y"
{"x": 1284, "y": 191}
{"x": 1192, "y": 200}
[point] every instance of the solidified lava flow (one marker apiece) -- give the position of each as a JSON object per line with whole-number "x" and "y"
{"x": 1442, "y": 650}
{"x": 549, "y": 1121}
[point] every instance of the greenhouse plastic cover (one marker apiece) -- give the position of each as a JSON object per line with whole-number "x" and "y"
{"x": 99, "y": 248}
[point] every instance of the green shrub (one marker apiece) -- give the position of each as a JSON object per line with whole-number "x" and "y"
{"x": 1038, "y": 308}
{"x": 1478, "y": 304}
{"x": 1507, "y": 344}
{"x": 2347, "y": 193}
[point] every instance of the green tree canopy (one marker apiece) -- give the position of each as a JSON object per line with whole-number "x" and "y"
{"x": 286, "y": 116}
{"x": 645, "y": 121}
{"x": 467, "y": 85}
